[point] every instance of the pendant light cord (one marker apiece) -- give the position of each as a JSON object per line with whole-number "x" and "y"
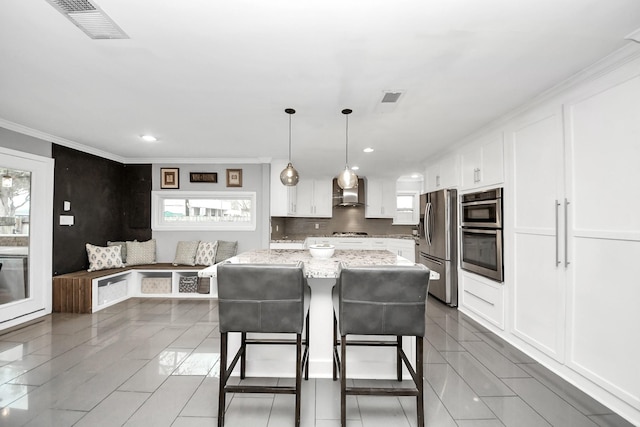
{"x": 347, "y": 140}
{"x": 289, "y": 138}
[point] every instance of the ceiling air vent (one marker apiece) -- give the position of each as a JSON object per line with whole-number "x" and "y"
{"x": 391, "y": 97}
{"x": 89, "y": 18}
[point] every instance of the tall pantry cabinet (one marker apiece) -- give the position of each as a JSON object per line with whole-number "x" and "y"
{"x": 574, "y": 171}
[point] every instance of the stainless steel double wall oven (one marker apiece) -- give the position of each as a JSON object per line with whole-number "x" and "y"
{"x": 481, "y": 233}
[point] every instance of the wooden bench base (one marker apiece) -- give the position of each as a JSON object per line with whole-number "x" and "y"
{"x": 72, "y": 292}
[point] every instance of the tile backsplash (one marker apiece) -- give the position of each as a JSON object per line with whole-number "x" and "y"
{"x": 348, "y": 219}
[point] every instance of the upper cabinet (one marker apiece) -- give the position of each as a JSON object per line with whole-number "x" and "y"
{"x": 279, "y": 192}
{"x": 442, "y": 174}
{"x": 311, "y": 198}
{"x": 482, "y": 162}
{"x": 381, "y": 198}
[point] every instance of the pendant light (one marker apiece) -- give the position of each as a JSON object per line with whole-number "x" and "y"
{"x": 289, "y": 175}
{"x": 347, "y": 178}
{"x": 7, "y": 180}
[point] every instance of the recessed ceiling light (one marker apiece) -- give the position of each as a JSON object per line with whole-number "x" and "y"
{"x": 149, "y": 138}
{"x": 368, "y": 150}
{"x": 355, "y": 168}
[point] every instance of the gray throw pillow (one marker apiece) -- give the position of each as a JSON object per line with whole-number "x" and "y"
{"x": 186, "y": 253}
{"x": 123, "y": 249}
{"x": 226, "y": 250}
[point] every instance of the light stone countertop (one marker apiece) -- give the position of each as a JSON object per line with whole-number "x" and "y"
{"x": 316, "y": 268}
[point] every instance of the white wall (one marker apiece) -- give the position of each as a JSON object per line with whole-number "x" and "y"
{"x": 24, "y": 143}
{"x": 255, "y": 177}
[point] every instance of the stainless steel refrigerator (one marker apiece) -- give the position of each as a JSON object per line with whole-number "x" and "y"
{"x": 438, "y": 248}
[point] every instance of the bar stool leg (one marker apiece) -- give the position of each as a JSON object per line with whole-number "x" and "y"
{"x": 306, "y": 362}
{"x": 243, "y": 355}
{"x": 399, "y": 357}
{"x": 343, "y": 381}
{"x": 334, "y": 348}
{"x": 298, "y": 377}
{"x": 420, "y": 378}
{"x": 223, "y": 378}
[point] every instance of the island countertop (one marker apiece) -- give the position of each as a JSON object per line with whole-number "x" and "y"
{"x": 315, "y": 268}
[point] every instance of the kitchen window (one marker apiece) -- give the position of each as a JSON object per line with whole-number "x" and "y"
{"x": 407, "y": 210}
{"x": 203, "y": 210}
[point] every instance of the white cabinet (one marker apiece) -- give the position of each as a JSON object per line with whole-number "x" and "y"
{"x": 279, "y": 200}
{"x": 405, "y": 248}
{"x": 603, "y": 233}
{"x": 311, "y": 198}
{"x": 381, "y": 198}
{"x": 576, "y": 234}
{"x": 286, "y": 245}
{"x": 351, "y": 243}
{"x": 482, "y": 162}
{"x": 538, "y": 233}
{"x": 483, "y": 297}
{"x": 442, "y": 174}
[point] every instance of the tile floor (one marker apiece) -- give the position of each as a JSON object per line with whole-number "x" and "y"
{"x": 152, "y": 362}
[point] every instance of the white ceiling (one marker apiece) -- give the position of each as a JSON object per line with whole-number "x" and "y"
{"x": 211, "y": 79}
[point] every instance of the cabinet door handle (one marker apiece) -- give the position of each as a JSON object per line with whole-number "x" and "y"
{"x": 557, "y": 232}
{"x": 566, "y": 233}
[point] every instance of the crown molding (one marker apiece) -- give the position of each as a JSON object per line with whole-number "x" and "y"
{"x": 25, "y": 130}
{"x": 200, "y": 160}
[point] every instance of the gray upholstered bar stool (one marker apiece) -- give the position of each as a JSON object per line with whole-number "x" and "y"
{"x": 262, "y": 298}
{"x": 380, "y": 300}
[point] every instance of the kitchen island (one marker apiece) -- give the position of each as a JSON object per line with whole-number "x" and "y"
{"x": 273, "y": 361}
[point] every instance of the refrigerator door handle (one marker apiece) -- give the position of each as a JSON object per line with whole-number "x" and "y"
{"x": 431, "y": 259}
{"x": 427, "y": 223}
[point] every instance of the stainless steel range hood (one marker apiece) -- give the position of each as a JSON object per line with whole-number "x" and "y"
{"x": 352, "y": 197}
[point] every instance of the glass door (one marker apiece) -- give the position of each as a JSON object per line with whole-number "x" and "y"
{"x": 15, "y": 218}
{"x": 26, "y": 198}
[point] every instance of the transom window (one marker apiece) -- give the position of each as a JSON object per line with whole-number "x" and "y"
{"x": 203, "y": 210}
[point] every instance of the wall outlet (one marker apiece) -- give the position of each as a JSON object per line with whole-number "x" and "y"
{"x": 317, "y": 226}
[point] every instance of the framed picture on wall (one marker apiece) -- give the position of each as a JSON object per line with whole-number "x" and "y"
{"x": 169, "y": 178}
{"x": 234, "y": 177}
{"x": 210, "y": 177}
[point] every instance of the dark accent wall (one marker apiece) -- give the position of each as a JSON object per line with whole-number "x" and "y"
{"x": 109, "y": 201}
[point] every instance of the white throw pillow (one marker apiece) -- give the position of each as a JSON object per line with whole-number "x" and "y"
{"x": 103, "y": 258}
{"x": 206, "y": 254}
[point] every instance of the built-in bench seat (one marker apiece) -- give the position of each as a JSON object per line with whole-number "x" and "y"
{"x": 77, "y": 292}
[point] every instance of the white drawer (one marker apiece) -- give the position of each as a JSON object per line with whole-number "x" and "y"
{"x": 483, "y": 297}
